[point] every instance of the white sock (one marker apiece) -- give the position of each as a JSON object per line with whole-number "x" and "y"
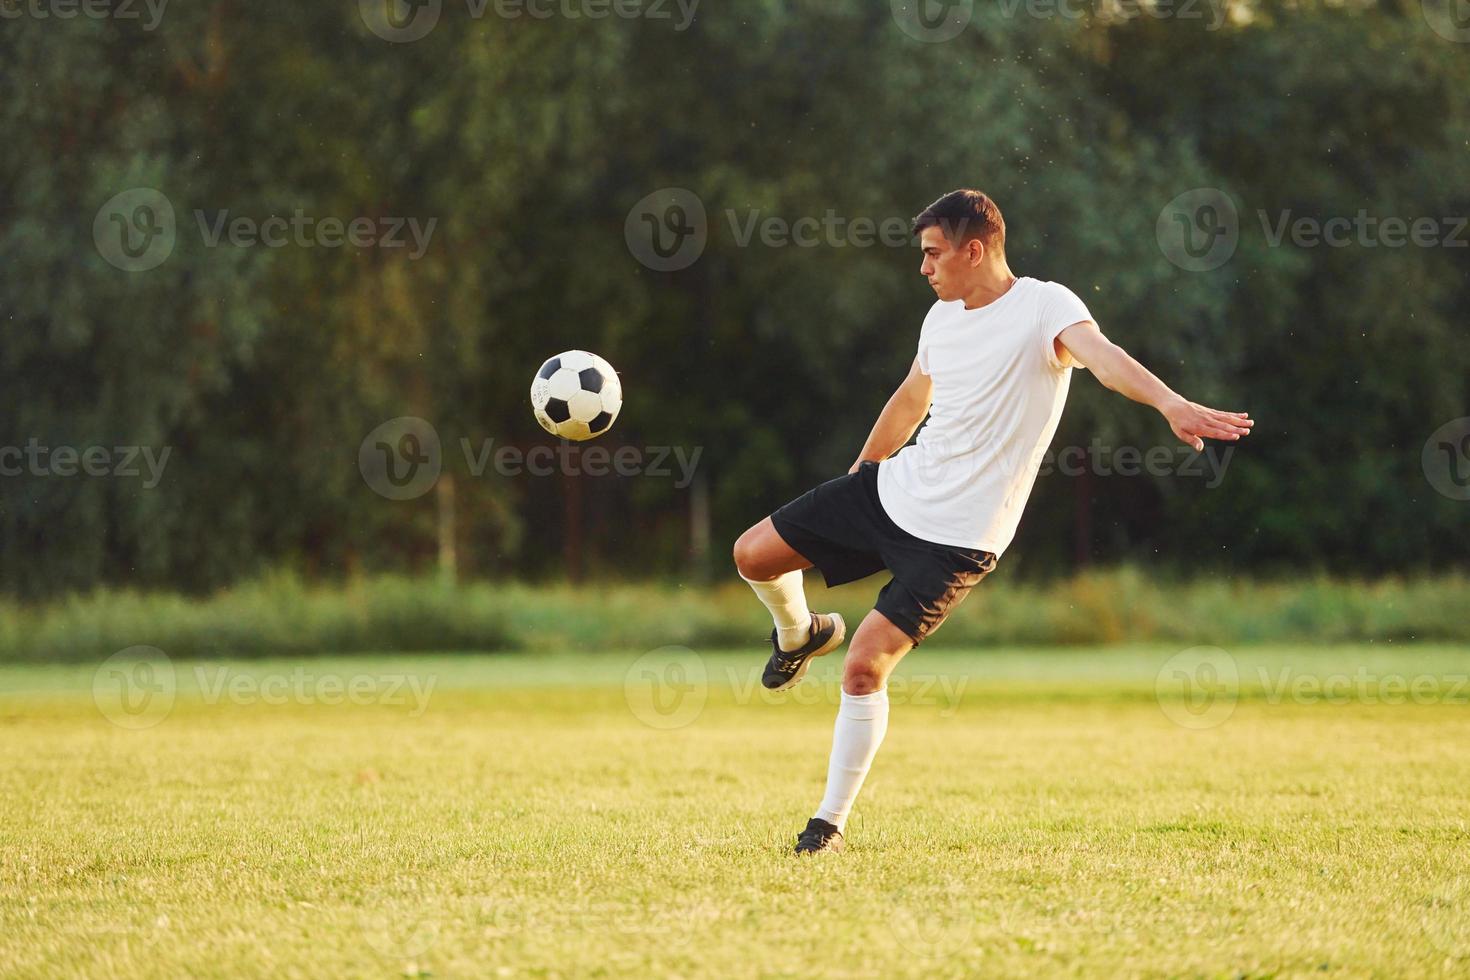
{"x": 862, "y": 721}
{"x": 786, "y": 600}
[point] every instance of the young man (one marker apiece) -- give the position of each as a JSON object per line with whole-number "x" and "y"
{"x": 995, "y": 357}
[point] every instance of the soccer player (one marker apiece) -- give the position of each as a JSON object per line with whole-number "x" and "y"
{"x": 995, "y": 357}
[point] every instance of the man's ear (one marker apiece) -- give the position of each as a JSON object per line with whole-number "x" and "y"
{"x": 975, "y": 251}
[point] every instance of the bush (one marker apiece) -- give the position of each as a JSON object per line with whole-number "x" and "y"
{"x": 282, "y": 616}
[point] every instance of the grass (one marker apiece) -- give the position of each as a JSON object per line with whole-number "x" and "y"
{"x": 629, "y": 814}
{"x": 283, "y": 616}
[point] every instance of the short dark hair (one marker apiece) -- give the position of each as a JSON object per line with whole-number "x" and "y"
{"x": 964, "y": 215}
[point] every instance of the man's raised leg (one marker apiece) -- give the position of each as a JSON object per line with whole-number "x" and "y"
{"x": 773, "y": 569}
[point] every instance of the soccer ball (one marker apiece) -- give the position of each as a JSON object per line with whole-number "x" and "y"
{"x": 576, "y": 395}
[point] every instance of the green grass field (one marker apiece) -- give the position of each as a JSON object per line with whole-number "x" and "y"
{"x": 1047, "y": 812}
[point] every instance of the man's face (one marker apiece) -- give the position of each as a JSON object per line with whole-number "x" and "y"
{"x": 948, "y": 268}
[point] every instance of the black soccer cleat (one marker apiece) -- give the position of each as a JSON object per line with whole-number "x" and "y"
{"x": 787, "y": 667}
{"x": 819, "y": 836}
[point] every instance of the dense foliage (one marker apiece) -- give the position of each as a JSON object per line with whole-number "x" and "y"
{"x": 528, "y": 140}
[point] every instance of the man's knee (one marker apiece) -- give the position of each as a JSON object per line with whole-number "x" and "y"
{"x": 876, "y": 649}
{"x": 863, "y": 674}
{"x": 747, "y": 554}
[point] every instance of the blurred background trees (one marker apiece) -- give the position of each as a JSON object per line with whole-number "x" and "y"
{"x": 529, "y": 140}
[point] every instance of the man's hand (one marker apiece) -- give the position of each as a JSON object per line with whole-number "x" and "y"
{"x": 1193, "y": 423}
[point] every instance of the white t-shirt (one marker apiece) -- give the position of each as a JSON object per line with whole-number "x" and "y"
{"x": 998, "y": 396}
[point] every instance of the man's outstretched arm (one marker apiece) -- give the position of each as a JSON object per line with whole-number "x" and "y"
{"x": 899, "y": 418}
{"x": 1116, "y": 369}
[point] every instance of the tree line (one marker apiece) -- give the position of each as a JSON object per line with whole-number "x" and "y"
{"x": 243, "y": 238}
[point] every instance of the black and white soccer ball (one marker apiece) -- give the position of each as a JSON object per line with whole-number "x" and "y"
{"x": 576, "y": 395}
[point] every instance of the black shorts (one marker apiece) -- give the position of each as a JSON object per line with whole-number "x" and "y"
{"x": 842, "y": 529}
